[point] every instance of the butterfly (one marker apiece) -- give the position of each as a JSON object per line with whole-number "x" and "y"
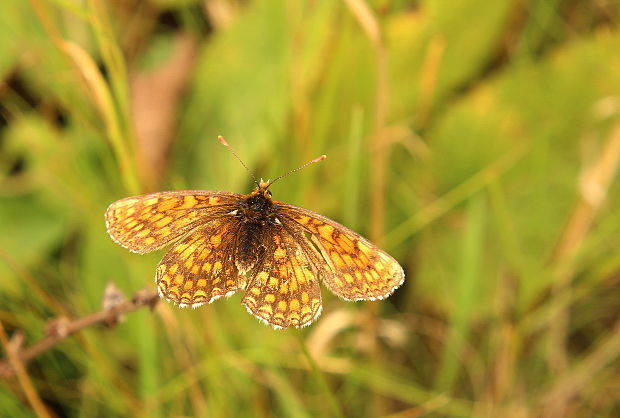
{"x": 223, "y": 243}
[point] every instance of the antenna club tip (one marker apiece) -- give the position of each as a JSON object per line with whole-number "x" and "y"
{"x": 222, "y": 140}
{"x": 321, "y": 158}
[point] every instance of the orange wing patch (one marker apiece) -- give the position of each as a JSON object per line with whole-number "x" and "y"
{"x": 146, "y": 223}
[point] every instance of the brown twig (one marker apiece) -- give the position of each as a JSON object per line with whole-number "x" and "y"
{"x": 61, "y": 328}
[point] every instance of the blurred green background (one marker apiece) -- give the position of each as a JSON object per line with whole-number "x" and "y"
{"x": 476, "y": 141}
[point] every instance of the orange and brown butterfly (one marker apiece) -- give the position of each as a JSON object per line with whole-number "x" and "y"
{"x": 223, "y": 243}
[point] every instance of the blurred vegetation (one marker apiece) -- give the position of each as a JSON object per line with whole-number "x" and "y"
{"x": 478, "y": 142}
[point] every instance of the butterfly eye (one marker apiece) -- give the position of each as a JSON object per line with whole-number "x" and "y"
{"x": 269, "y": 193}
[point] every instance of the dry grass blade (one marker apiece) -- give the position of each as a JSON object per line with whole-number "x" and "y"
{"x": 595, "y": 182}
{"x": 17, "y": 364}
{"x": 572, "y": 382}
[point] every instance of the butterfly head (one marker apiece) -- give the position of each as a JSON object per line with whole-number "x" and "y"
{"x": 262, "y": 188}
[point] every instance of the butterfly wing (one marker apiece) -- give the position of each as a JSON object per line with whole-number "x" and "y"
{"x": 358, "y": 269}
{"x": 284, "y": 290}
{"x": 146, "y": 223}
{"x": 201, "y": 267}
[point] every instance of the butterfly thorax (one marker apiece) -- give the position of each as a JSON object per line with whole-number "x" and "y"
{"x": 257, "y": 207}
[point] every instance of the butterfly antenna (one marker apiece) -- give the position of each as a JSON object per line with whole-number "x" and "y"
{"x": 316, "y": 160}
{"x": 223, "y": 141}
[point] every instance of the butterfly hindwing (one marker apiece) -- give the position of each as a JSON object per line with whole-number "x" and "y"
{"x": 285, "y": 289}
{"x": 201, "y": 267}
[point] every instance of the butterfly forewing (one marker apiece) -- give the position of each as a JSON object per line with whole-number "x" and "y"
{"x": 359, "y": 269}
{"x": 146, "y": 223}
